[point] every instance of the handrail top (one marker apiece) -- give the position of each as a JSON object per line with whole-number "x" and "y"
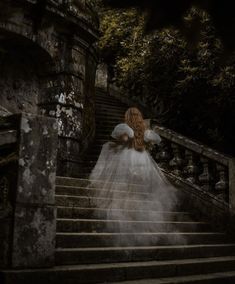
{"x": 189, "y": 143}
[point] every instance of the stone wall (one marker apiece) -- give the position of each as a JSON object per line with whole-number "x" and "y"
{"x": 47, "y": 67}
{"x": 27, "y": 190}
{"x": 19, "y": 84}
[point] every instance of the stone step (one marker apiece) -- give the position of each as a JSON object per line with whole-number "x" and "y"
{"x": 111, "y": 114}
{"x": 100, "y": 103}
{"x": 109, "y": 106}
{"x": 102, "y": 136}
{"x": 78, "y": 184}
{"x": 108, "y": 118}
{"x": 89, "y": 192}
{"x": 99, "y": 142}
{"x": 110, "y": 109}
{"x": 111, "y": 272}
{"x": 83, "y": 175}
{"x": 94, "y": 153}
{"x": 91, "y": 162}
{"x": 128, "y": 226}
{"x": 106, "y": 123}
{"x": 139, "y": 215}
{"x": 110, "y": 101}
{"x": 106, "y": 136}
{"x": 108, "y": 98}
{"x": 116, "y": 203}
{"x": 72, "y": 240}
{"x": 87, "y": 163}
{"x": 86, "y": 173}
{"x": 106, "y": 128}
{"x": 104, "y": 132}
{"x": 68, "y": 181}
{"x": 97, "y": 146}
{"x": 123, "y": 254}
{"x": 210, "y": 278}
{"x": 95, "y": 150}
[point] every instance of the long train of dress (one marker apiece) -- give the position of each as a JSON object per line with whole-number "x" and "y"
{"x": 120, "y": 168}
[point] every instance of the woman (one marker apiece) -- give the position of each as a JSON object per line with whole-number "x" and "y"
{"x": 125, "y": 166}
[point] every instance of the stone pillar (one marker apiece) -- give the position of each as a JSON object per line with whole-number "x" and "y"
{"x": 34, "y": 217}
{"x": 66, "y": 97}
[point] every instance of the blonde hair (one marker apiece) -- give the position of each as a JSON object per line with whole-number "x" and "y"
{"x": 134, "y": 118}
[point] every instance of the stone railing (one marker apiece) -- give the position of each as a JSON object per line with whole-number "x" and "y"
{"x": 28, "y": 148}
{"x": 205, "y": 169}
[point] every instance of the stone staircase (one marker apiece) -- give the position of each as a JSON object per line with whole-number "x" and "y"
{"x": 96, "y": 246}
{"x": 109, "y": 112}
{"x": 151, "y": 244}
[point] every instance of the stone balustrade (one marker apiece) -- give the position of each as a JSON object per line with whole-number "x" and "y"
{"x": 204, "y": 168}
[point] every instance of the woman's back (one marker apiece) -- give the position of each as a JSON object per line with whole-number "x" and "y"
{"x": 134, "y": 119}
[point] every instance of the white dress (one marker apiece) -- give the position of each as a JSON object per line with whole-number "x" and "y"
{"x": 121, "y": 170}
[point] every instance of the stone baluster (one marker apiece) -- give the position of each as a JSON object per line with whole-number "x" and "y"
{"x": 163, "y": 155}
{"x": 205, "y": 179}
{"x": 177, "y": 162}
{"x": 191, "y": 170}
{"x": 221, "y": 187}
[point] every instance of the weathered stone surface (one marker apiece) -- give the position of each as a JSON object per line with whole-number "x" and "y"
{"x": 34, "y": 210}
{"x": 27, "y": 189}
{"x": 34, "y": 236}
{"x": 51, "y": 69}
{"x": 37, "y": 160}
{"x": 19, "y": 84}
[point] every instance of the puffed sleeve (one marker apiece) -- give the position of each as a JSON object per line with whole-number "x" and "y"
{"x": 122, "y": 129}
{"x": 152, "y": 136}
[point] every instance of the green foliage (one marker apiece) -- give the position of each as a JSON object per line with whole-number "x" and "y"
{"x": 190, "y": 88}
{"x": 117, "y": 35}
